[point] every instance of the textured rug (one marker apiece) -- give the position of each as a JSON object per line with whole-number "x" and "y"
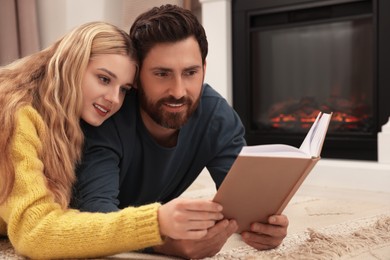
{"x": 325, "y": 223}
{"x": 365, "y": 238}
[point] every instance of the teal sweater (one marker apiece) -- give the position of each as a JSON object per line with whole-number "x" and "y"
{"x": 124, "y": 166}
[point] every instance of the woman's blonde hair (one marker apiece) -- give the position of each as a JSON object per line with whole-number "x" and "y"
{"x": 50, "y": 81}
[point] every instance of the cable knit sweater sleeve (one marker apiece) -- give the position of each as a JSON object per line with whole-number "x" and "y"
{"x": 38, "y": 228}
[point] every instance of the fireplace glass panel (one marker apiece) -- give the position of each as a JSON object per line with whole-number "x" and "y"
{"x": 299, "y": 70}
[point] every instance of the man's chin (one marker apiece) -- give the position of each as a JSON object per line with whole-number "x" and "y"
{"x": 173, "y": 120}
{"x": 174, "y": 126}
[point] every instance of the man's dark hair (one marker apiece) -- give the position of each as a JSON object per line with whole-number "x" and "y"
{"x": 165, "y": 24}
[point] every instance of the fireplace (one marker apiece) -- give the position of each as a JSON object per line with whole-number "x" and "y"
{"x": 294, "y": 58}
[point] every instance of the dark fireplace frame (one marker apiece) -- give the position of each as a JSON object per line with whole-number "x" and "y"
{"x": 341, "y": 147}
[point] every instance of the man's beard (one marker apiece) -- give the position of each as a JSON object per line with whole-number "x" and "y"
{"x": 164, "y": 118}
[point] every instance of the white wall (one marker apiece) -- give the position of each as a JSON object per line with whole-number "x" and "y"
{"x": 57, "y": 17}
{"x": 216, "y": 19}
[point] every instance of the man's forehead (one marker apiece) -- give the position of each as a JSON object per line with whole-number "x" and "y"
{"x": 174, "y": 55}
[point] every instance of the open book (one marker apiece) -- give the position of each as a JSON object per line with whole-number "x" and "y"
{"x": 264, "y": 178}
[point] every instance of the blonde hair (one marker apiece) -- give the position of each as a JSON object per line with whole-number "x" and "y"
{"x": 50, "y": 81}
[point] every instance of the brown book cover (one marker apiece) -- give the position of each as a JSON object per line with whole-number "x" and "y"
{"x": 264, "y": 178}
{"x": 250, "y": 196}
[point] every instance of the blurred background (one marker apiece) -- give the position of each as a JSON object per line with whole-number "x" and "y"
{"x": 27, "y": 26}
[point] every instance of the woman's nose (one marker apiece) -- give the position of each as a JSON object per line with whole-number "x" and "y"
{"x": 113, "y": 96}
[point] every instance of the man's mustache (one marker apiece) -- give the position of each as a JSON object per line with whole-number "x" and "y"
{"x": 173, "y": 100}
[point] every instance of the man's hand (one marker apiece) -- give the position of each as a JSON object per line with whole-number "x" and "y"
{"x": 208, "y": 246}
{"x": 267, "y": 236}
{"x": 188, "y": 218}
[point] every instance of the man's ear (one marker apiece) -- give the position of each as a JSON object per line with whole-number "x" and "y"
{"x": 137, "y": 77}
{"x": 135, "y": 85}
{"x": 204, "y": 69}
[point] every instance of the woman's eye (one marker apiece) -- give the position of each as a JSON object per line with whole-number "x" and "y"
{"x": 105, "y": 80}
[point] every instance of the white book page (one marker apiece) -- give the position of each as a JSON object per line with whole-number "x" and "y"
{"x": 274, "y": 150}
{"x": 310, "y": 147}
{"x": 315, "y": 137}
{"x": 305, "y": 146}
{"x": 319, "y": 135}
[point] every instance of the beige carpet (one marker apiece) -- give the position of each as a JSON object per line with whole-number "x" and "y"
{"x": 325, "y": 223}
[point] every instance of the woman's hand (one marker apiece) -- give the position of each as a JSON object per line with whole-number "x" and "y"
{"x": 188, "y": 218}
{"x": 207, "y": 246}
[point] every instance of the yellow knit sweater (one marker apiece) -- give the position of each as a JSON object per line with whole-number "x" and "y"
{"x": 37, "y": 226}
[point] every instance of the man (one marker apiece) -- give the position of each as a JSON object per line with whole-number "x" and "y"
{"x": 168, "y": 130}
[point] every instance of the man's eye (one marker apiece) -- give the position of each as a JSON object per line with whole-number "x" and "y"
{"x": 161, "y": 74}
{"x": 190, "y": 72}
{"x": 105, "y": 80}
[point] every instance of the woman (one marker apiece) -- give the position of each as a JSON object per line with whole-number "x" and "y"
{"x": 85, "y": 75}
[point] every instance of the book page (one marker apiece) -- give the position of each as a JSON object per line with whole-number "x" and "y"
{"x": 319, "y": 136}
{"x": 310, "y": 147}
{"x": 312, "y": 144}
{"x": 273, "y": 150}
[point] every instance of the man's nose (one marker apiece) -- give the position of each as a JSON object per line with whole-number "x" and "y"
{"x": 177, "y": 88}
